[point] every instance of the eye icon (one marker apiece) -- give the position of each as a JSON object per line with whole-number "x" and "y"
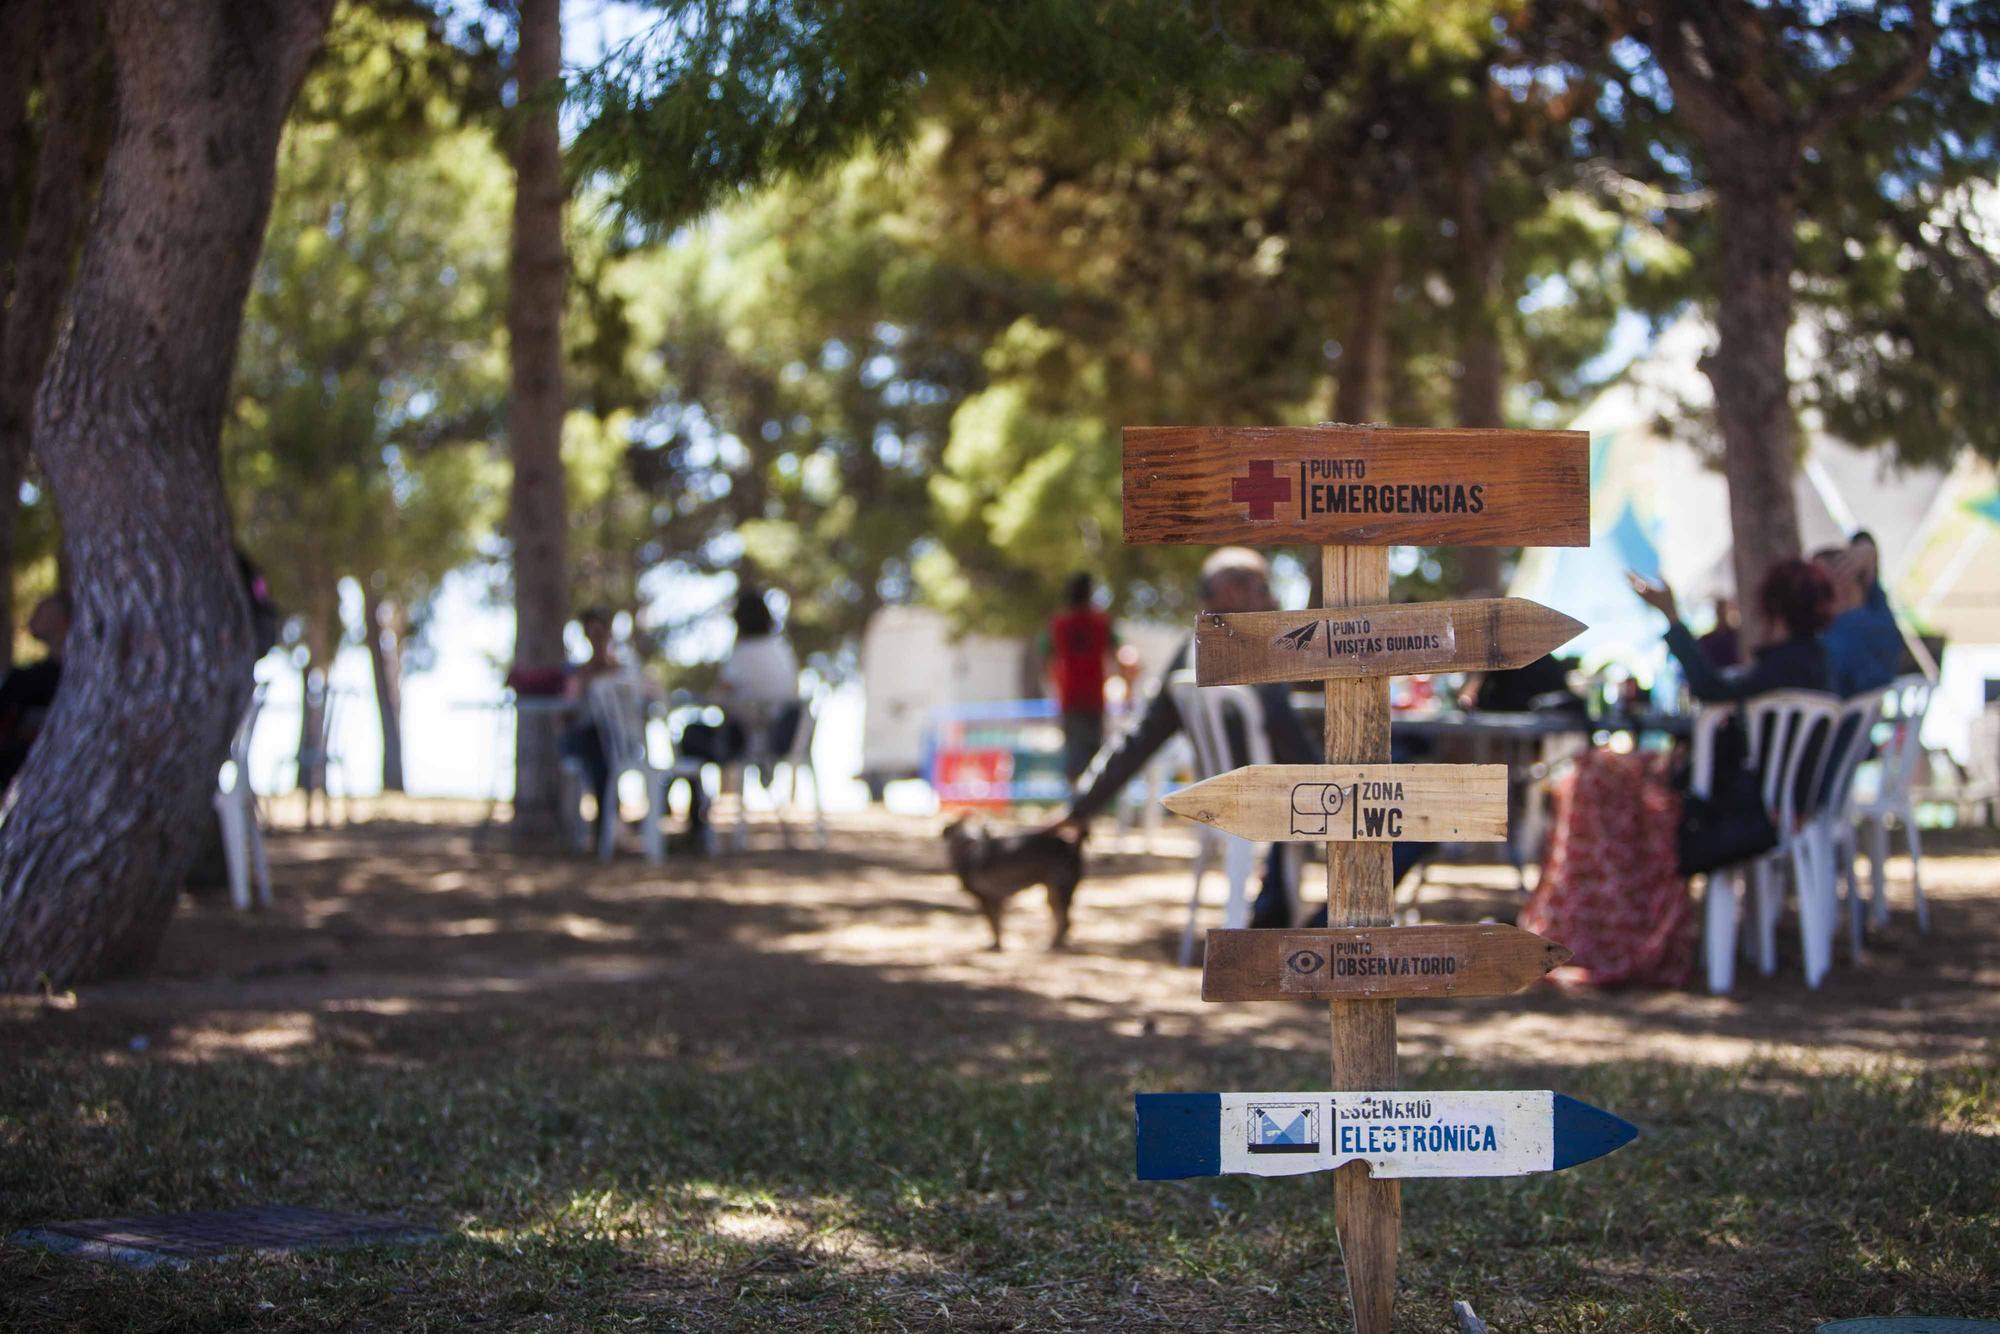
{"x": 1305, "y": 962}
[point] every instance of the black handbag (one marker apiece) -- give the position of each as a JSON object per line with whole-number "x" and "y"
{"x": 1728, "y": 826}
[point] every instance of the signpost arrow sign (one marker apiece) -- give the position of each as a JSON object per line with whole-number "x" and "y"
{"x": 1346, "y": 963}
{"x": 1352, "y": 803}
{"x": 1463, "y": 1134}
{"x": 1366, "y": 486}
{"x": 1391, "y": 639}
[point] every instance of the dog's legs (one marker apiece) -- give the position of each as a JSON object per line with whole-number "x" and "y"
{"x": 1062, "y": 890}
{"x": 994, "y": 910}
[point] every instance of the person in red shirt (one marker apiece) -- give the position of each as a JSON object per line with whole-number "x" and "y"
{"x": 1079, "y": 650}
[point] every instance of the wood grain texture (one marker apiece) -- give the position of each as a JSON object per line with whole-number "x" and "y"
{"x": 1389, "y": 639}
{"x": 1352, "y": 803}
{"x": 1356, "y": 485}
{"x": 1368, "y": 1212}
{"x": 1384, "y": 962}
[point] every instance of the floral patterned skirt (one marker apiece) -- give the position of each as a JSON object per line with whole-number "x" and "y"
{"x": 1609, "y": 892}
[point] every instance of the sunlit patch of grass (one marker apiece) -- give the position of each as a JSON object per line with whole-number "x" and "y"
{"x": 867, "y": 1190}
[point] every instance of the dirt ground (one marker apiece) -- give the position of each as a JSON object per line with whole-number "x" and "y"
{"x": 409, "y": 933}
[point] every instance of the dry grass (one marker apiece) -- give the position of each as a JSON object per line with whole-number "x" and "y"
{"x": 791, "y": 1091}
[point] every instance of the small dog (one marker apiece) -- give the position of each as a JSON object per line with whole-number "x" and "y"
{"x": 995, "y": 867}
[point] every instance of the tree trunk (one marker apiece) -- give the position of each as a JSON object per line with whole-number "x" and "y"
{"x": 1364, "y": 360}
{"x": 539, "y": 511}
{"x": 39, "y": 249}
{"x": 1364, "y": 356}
{"x": 1482, "y": 360}
{"x": 383, "y": 622}
{"x": 321, "y": 635}
{"x": 20, "y": 40}
{"x": 1757, "y": 210}
{"x": 101, "y": 824}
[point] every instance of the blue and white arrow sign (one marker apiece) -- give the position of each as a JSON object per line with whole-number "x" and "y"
{"x": 1464, "y": 1134}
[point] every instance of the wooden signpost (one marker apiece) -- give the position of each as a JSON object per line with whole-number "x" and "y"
{"x": 1460, "y": 1134}
{"x": 1355, "y": 490}
{"x": 1357, "y": 485}
{"x": 1393, "y": 962}
{"x": 1250, "y": 647}
{"x": 1352, "y": 803}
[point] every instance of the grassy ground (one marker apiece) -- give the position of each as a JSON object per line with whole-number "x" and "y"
{"x": 948, "y": 1147}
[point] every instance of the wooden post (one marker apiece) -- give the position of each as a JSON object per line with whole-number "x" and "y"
{"x": 1360, "y": 892}
{"x": 1274, "y": 486}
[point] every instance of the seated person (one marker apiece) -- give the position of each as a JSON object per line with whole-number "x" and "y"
{"x": 1721, "y": 646}
{"x": 760, "y": 680}
{"x": 28, "y": 692}
{"x": 1613, "y": 887}
{"x": 1233, "y": 579}
{"x": 1864, "y": 646}
{"x": 1795, "y": 602}
{"x": 580, "y": 740}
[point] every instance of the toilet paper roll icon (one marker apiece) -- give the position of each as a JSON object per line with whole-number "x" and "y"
{"x": 1312, "y": 804}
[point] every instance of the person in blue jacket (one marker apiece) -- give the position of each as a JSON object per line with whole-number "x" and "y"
{"x": 1864, "y": 646}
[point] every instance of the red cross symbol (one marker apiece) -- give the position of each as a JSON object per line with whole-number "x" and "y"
{"x": 1261, "y": 490}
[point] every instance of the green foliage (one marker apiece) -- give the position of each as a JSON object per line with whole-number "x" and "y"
{"x": 1896, "y": 232}
{"x": 719, "y": 96}
{"x": 812, "y": 362}
{"x": 1902, "y": 258}
{"x": 905, "y": 378}
{"x": 370, "y": 370}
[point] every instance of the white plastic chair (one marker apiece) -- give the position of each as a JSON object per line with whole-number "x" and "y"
{"x": 797, "y": 760}
{"x": 1833, "y": 822}
{"x": 617, "y": 706}
{"x": 1909, "y": 699}
{"x": 236, "y": 808}
{"x": 756, "y": 720}
{"x": 1722, "y": 896}
{"x": 1205, "y": 712}
{"x": 1781, "y": 729}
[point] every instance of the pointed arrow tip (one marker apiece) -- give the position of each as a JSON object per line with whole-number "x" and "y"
{"x": 1583, "y": 1132}
{"x": 1555, "y": 957}
{"x": 1190, "y": 803}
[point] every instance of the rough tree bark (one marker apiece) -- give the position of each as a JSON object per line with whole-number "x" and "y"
{"x": 1725, "y": 66}
{"x": 98, "y": 830}
{"x": 384, "y": 626}
{"x": 38, "y": 248}
{"x": 20, "y": 40}
{"x": 1482, "y": 361}
{"x": 1756, "y": 212}
{"x": 539, "y": 506}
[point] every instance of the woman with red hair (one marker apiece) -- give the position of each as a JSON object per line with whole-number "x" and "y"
{"x": 1795, "y": 605}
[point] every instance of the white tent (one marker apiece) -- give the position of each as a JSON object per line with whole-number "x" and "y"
{"x": 1658, "y": 507}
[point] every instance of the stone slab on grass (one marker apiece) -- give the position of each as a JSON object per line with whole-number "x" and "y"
{"x": 155, "y": 1239}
